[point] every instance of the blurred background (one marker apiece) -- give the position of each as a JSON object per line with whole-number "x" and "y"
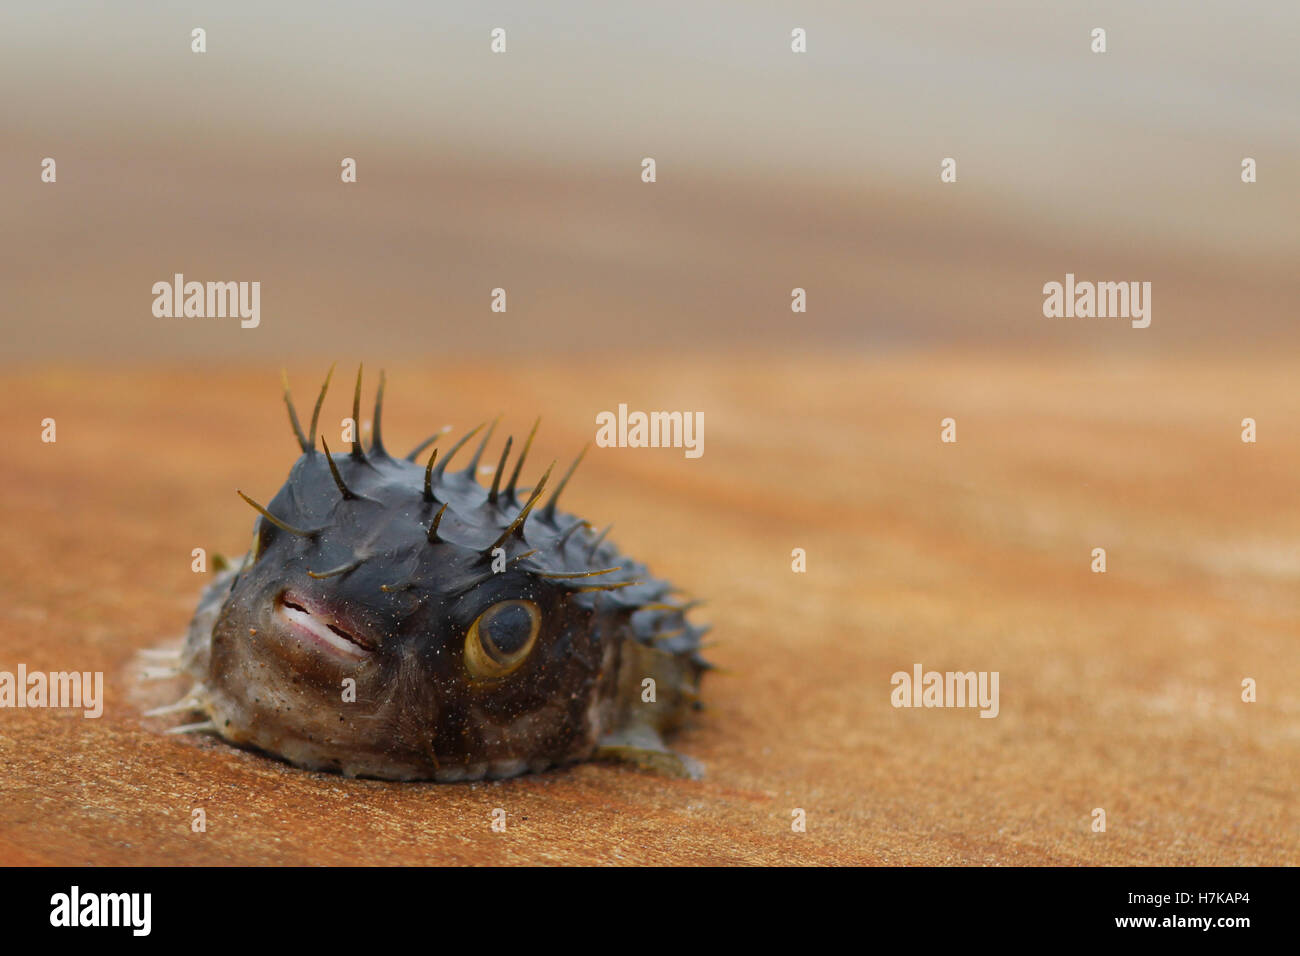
{"x": 775, "y": 170}
{"x": 522, "y": 171}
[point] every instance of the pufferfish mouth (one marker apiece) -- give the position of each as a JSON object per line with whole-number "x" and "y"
{"x": 318, "y": 631}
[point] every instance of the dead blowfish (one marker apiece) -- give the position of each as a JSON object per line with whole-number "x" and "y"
{"x": 398, "y": 620}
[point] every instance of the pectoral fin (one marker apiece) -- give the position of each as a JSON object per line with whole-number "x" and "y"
{"x": 643, "y": 747}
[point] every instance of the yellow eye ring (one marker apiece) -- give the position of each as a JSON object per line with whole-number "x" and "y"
{"x": 501, "y": 638}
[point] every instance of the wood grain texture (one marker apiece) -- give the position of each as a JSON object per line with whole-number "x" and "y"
{"x": 1119, "y": 691}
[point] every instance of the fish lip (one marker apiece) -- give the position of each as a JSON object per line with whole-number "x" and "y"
{"x": 312, "y": 625}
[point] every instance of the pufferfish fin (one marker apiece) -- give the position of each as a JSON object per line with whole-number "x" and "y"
{"x": 642, "y": 747}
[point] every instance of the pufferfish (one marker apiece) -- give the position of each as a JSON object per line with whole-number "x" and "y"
{"x": 398, "y": 620}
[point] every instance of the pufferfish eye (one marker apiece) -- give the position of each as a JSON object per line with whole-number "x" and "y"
{"x": 501, "y": 638}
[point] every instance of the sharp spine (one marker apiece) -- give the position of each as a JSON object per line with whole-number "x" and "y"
{"x": 570, "y": 575}
{"x": 411, "y": 456}
{"x": 591, "y": 552}
{"x": 282, "y": 525}
{"x": 520, "y": 518}
{"x": 608, "y": 587}
{"x": 548, "y": 513}
{"x": 563, "y": 539}
{"x": 306, "y": 446}
{"x": 335, "y": 572}
{"x": 320, "y": 400}
{"x": 428, "y": 477}
{"x": 377, "y": 433}
{"x": 357, "y": 451}
{"x": 433, "y": 528}
{"x": 496, "y": 476}
{"x": 523, "y": 455}
{"x": 347, "y": 492}
{"x": 442, "y": 465}
{"x": 472, "y": 468}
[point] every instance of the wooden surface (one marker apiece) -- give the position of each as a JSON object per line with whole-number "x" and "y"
{"x": 1118, "y": 690}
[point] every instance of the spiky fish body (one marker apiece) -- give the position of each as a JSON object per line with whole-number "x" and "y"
{"x": 399, "y": 620}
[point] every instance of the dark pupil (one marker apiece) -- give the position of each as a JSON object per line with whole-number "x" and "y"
{"x": 508, "y": 629}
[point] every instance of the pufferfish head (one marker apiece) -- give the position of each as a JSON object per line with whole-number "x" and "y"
{"x": 396, "y": 619}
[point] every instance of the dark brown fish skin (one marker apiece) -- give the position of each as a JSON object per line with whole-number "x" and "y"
{"x": 402, "y": 608}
